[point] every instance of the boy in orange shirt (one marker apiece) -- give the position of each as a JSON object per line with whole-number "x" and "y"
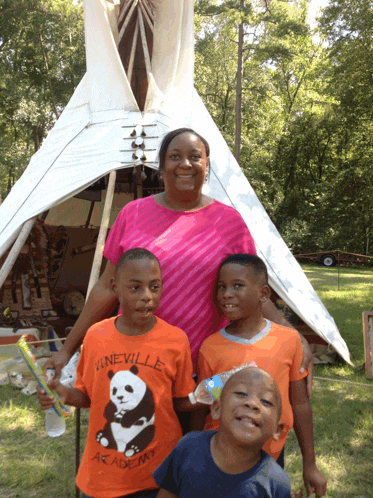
{"x": 133, "y": 370}
{"x": 242, "y": 288}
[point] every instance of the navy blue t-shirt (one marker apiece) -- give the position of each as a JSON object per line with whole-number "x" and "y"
{"x": 190, "y": 472}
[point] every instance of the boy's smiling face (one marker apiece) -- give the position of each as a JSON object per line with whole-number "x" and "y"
{"x": 249, "y": 409}
{"x": 241, "y": 291}
{"x": 138, "y": 287}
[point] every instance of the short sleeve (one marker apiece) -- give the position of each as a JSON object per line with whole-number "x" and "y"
{"x": 113, "y": 250}
{"x": 184, "y": 383}
{"x": 166, "y": 475}
{"x": 204, "y": 371}
{"x": 295, "y": 373}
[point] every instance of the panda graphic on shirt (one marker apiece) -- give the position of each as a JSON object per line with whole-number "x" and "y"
{"x": 129, "y": 415}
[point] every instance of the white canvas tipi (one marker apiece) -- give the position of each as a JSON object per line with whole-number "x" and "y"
{"x": 103, "y": 129}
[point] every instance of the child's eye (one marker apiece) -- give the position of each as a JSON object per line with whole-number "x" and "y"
{"x": 134, "y": 287}
{"x": 221, "y": 286}
{"x": 266, "y": 402}
{"x": 196, "y": 158}
{"x": 174, "y": 157}
{"x": 240, "y": 394}
{"x": 237, "y": 286}
{"x": 154, "y": 287}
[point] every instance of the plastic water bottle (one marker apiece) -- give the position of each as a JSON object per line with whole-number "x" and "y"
{"x": 210, "y": 389}
{"x": 55, "y": 425}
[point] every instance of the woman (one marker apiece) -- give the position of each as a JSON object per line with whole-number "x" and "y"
{"x": 189, "y": 232}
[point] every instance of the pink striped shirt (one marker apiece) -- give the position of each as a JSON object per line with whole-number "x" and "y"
{"x": 190, "y": 246}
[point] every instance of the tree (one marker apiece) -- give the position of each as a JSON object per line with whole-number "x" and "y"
{"x": 41, "y": 62}
{"x": 306, "y": 112}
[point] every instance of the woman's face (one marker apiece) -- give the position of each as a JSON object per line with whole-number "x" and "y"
{"x": 186, "y": 164}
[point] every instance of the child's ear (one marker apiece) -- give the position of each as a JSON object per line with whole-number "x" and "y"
{"x": 216, "y": 410}
{"x": 265, "y": 293}
{"x": 279, "y": 431}
{"x": 113, "y": 286}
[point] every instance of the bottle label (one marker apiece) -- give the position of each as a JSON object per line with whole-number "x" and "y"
{"x": 215, "y": 386}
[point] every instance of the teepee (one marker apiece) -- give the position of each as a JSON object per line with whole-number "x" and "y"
{"x": 138, "y": 86}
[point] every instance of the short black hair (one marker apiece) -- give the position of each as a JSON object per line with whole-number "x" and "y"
{"x": 134, "y": 254}
{"x": 248, "y": 260}
{"x": 173, "y": 134}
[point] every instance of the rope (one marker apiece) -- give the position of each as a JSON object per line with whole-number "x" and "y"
{"x": 35, "y": 342}
{"x": 346, "y": 381}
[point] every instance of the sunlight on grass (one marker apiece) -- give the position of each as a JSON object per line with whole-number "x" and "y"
{"x": 343, "y": 433}
{"x": 34, "y": 465}
{"x": 346, "y": 305}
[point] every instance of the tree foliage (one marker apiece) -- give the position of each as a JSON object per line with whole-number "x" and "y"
{"x": 41, "y": 62}
{"x": 307, "y": 133}
{"x": 307, "y": 106}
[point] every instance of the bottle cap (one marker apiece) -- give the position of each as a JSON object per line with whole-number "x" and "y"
{"x": 192, "y": 398}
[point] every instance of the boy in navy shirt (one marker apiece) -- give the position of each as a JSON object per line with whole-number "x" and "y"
{"x": 230, "y": 463}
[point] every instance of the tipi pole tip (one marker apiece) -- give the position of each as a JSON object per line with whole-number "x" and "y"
{"x": 15, "y": 250}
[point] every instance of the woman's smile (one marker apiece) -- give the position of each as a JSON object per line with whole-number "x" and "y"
{"x": 185, "y": 164}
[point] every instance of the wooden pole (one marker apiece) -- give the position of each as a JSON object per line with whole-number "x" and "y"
{"x": 148, "y": 64}
{"x": 77, "y": 448}
{"x": 146, "y": 15}
{"x": 97, "y": 260}
{"x": 95, "y": 273}
{"x": 15, "y": 250}
{"x": 124, "y": 26}
{"x": 133, "y": 50}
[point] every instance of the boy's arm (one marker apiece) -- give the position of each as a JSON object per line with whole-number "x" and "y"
{"x": 69, "y": 396}
{"x": 198, "y": 418}
{"x": 303, "y": 426}
{"x": 184, "y": 405}
{"x": 272, "y": 313}
{"x": 165, "y": 494}
{"x": 199, "y": 412}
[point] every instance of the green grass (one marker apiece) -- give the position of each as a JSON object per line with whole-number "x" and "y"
{"x": 343, "y": 412}
{"x": 346, "y": 292}
{"x": 32, "y": 464}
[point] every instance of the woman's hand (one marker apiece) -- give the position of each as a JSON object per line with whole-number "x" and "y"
{"x": 57, "y": 362}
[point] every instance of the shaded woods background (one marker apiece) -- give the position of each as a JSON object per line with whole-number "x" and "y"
{"x": 307, "y": 103}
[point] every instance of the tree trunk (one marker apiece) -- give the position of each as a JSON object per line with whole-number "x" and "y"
{"x": 237, "y": 141}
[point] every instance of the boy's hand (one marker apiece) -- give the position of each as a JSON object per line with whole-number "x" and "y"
{"x": 47, "y": 401}
{"x": 314, "y": 481}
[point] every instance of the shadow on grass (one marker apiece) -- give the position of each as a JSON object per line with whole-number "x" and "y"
{"x": 343, "y": 432}
{"x": 33, "y": 464}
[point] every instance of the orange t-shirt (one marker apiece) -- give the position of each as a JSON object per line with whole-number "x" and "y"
{"x": 131, "y": 382}
{"x": 276, "y": 349}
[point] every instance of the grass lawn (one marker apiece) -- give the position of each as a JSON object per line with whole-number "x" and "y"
{"x": 343, "y": 412}
{"x": 32, "y": 464}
